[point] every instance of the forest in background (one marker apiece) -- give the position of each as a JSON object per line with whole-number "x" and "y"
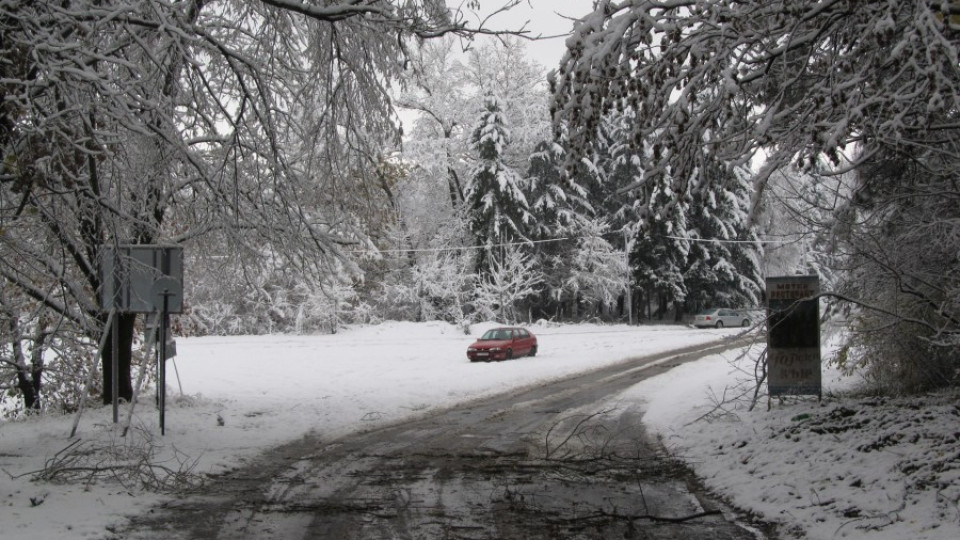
{"x": 474, "y": 218}
{"x": 676, "y": 157}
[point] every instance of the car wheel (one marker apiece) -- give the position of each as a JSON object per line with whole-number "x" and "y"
{"x": 509, "y": 354}
{"x": 719, "y": 324}
{"x": 533, "y": 350}
{"x": 746, "y": 323}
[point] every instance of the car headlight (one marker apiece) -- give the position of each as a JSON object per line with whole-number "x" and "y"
{"x": 495, "y": 349}
{"x": 471, "y": 349}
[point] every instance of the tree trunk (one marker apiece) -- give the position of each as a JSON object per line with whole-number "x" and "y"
{"x": 456, "y": 192}
{"x": 29, "y": 377}
{"x": 29, "y": 385}
{"x": 453, "y": 180}
{"x": 637, "y": 305}
{"x": 662, "y": 307}
{"x": 125, "y": 335}
{"x": 28, "y": 381}
{"x": 648, "y": 304}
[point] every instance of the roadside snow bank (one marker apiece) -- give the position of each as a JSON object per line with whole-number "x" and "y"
{"x": 852, "y": 468}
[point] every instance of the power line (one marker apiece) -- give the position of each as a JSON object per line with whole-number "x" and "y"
{"x": 551, "y": 240}
{"x": 723, "y": 241}
{"x": 462, "y": 248}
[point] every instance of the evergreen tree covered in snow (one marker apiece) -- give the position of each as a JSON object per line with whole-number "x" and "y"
{"x": 594, "y": 216}
{"x": 559, "y": 207}
{"x": 500, "y": 67}
{"x": 701, "y": 250}
{"x": 496, "y": 197}
{"x": 552, "y": 197}
{"x": 723, "y": 262}
{"x": 660, "y": 254}
{"x": 447, "y": 87}
{"x": 609, "y": 169}
{"x": 597, "y": 270}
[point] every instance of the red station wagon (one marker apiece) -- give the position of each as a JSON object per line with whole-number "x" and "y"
{"x": 503, "y": 344}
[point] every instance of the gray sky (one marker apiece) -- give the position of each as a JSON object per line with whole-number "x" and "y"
{"x": 546, "y": 17}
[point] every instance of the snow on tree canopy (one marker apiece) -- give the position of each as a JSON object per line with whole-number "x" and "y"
{"x": 794, "y": 79}
{"x": 495, "y": 198}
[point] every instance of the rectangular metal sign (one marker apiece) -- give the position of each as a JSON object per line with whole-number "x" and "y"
{"x": 136, "y": 278}
{"x": 793, "y": 336}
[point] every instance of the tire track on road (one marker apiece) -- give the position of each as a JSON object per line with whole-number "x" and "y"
{"x": 481, "y": 470}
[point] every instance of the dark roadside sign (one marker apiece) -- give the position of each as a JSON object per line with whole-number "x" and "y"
{"x": 793, "y": 336}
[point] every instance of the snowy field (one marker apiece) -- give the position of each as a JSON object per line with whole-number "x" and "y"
{"x": 845, "y": 468}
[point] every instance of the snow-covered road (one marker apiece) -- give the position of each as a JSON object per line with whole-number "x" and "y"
{"x": 538, "y": 463}
{"x": 870, "y": 469}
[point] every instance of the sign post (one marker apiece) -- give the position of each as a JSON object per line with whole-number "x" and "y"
{"x": 143, "y": 279}
{"x": 793, "y": 336}
{"x": 162, "y": 360}
{"x": 115, "y": 367}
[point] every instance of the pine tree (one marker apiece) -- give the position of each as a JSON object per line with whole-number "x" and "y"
{"x": 612, "y": 167}
{"x": 496, "y": 197}
{"x": 723, "y": 267}
{"x": 559, "y": 205}
{"x": 661, "y": 251}
{"x": 550, "y": 203}
{"x": 598, "y": 271}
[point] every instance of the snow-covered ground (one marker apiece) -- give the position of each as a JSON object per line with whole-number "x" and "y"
{"x": 845, "y": 467}
{"x": 841, "y": 469}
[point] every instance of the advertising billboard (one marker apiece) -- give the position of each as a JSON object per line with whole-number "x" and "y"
{"x": 793, "y": 336}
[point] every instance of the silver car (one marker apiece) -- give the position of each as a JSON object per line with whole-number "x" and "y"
{"x": 719, "y": 317}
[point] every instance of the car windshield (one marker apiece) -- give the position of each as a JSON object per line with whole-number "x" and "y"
{"x": 708, "y": 311}
{"x": 493, "y": 335}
